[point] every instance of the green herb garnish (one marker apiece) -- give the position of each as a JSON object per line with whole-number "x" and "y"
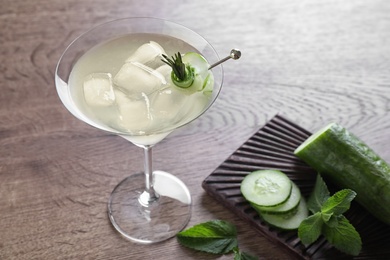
{"x": 238, "y": 255}
{"x": 327, "y": 219}
{"x": 182, "y": 75}
{"x": 216, "y": 237}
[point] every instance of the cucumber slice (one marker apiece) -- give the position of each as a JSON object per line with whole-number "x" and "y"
{"x": 208, "y": 84}
{"x": 203, "y": 81}
{"x": 288, "y": 206}
{"x": 290, "y": 220}
{"x": 197, "y": 61}
{"x": 266, "y": 187}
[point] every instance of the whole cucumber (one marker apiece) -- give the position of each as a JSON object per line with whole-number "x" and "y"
{"x": 345, "y": 160}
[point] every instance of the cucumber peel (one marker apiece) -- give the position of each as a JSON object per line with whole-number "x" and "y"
{"x": 287, "y": 221}
{"x": 185, "y": 82}
{"x": 190, "y": 72}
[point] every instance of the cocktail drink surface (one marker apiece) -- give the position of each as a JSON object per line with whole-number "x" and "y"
{"x": 141, "y": 78}
{"x": 124, "y": 84}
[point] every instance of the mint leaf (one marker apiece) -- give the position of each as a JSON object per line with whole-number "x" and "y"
{"x": 310, "y": 228}
{"x": 339, "y": 202}
{"x": 326, "y": 216}
{"x": 344, "y": 237}
{"x": 333, "y": 221}
{"x": 216, "y": 236}
{"x": 319, "y": 195}
{"x": 327, "y": 219}
{"x": 238, "y": 255}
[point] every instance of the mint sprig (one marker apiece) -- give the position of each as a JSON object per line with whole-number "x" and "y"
{"x": 215, "y": 236}
{"x": 319, "y": 195}
{"x": 343, "y": 236}
{"x": 328, "y": 219}
{"x": 239, "y": 255}
{"x": 182, "y": 75}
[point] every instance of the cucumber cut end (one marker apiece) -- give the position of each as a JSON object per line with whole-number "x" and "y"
{"x": 266, "y": 187}
{"x": 313, "y": 137}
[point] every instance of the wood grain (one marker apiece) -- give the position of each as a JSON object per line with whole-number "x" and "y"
{"x": 312, "y": 61}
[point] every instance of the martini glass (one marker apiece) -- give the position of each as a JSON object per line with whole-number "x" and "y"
{"x": 153, "y": 205}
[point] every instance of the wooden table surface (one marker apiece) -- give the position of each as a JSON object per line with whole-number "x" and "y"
{"x": 310, "y": 61}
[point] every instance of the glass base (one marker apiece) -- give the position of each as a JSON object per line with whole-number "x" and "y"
{"x": 161, "y": 219}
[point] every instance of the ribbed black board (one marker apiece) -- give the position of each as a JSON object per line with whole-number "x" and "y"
{"x": 272, "y": 147}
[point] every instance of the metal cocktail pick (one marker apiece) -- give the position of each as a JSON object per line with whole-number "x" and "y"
{"x": 235, "y": 54}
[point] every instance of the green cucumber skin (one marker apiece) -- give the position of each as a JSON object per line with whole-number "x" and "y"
{"x": 345, "y": 160}
{"x": 288, "y": 221}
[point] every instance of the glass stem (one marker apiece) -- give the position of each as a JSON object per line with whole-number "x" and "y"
{"x": 149, "y": 195}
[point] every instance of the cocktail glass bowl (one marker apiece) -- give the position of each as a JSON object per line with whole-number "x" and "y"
{"x": 150, "y": 206}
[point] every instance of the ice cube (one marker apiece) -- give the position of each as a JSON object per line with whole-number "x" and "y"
{"x": 166, "y": 105}
{"x": 135, "y": 78}
{"x": 165, "y": 70}
{"x": 98, "y": 90}
{"x": 149, "y": 54}
{"x": 195, "y": 105}
{"x": 134, "y": 114}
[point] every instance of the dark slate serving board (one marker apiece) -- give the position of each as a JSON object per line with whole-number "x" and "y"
{"x": 272, "y": 147}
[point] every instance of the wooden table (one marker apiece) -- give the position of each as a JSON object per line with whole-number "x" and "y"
{"x": 310, "y": 61}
